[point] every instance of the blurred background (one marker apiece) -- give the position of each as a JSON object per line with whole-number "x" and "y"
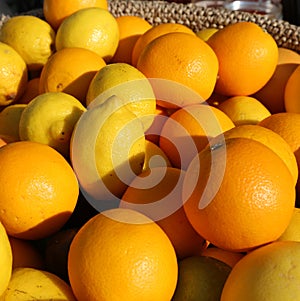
{"x": 290, "y": 8}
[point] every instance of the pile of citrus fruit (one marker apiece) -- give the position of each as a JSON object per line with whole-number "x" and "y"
{"x": 146, "y": 162}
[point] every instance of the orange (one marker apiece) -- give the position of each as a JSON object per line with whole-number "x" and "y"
{"x": 238, "y": 194}
{"x": 157, "y": 194}
{"x": 267, "y": 273}
{"x": 182, "y": 58}
{"x": 228, "y": 257}
{"x": 39, "y": 190}
{"x": 154, "y": 32}
{"x": 31, "y": 91}
{"x": 26, "y": 254}
{"x": 188, "y": 130}
{"x": 130, "y": 29}
{"x": 287, "y": 125}
{"x": 247, "y": 58}
{"x": 244, "y": 110}
{"x": 292, "y": 92}
{"x": 56, "y": 11}
{"x": 126, "y": 255}
{"x": 269, "y": 138}
{"x": 271, "y": 95}
{"x": 70, "y": 70}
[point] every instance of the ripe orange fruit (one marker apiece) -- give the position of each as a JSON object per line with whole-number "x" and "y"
{"x": 292, "y": 92}
{"x": 242, "y": 49}
{"x": 126, "y": 254}
{"x": 26, "y": 254}
{"x": 182, "y": 58}
{"x": 244, "y": 110}
{"x": 189, "y": 129}
{"x": 31, "y": 91}
{"x": 270, "y": 139}
{"x": 70, "y": 70}
{"x": 270, "y": 272}
{"x": 130, "y": 29}
{"x": 56, "y": 11}
{"x": 235, "y": 196}
{"x": 154, "y": 32}
{"x": 39, "y": 190}
{"x": 157, "y": 194}
{"x": 287, "y": 125}
{"x": 271, "y": 95}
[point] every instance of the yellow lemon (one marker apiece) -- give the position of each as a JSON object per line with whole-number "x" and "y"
{"x": 206, "y": 33}
{"x": 5, "y": 260}
{"x": 33, "y": 284}
{"x": 244, "y": 110}
{"x": 292, "y": 232}
{"x": 49, "y": 119}
{"x": 9, "y": 121}
{"x": 13, "y": 75}
{"x": 129, "y": 84}
{"x": 32, "y": 37}
{"x": 154, "y": 156}
{"x": 270, "y": 272}
{"x": 107, "y": 151}
{"x": 92, "y": 28}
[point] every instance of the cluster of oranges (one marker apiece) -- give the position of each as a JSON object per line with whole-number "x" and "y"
{"x": 142, "y": 162}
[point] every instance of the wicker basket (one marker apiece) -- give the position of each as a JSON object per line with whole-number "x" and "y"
{"x": 156, "y": 12}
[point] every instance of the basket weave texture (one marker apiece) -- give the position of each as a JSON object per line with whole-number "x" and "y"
{"x": 155, "y": 12}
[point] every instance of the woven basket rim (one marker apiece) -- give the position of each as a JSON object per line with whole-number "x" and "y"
{"x": 196, "y": 17}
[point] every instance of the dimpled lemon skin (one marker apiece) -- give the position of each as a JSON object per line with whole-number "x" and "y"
{"x": 50, "y": 119}
{"x": 32, "y": 284}
{"x": 13, "y": 75}
{"x": 32, "y": 37}
{"x": 271, "y": 272}
{"x": 92, "y": 28}
{"x": 6, "y": 260}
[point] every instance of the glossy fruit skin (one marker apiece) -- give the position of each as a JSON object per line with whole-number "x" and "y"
{"x": 146, "y": 266}
{"x": 236, "y": 46}
{"x": 236, "y": 201}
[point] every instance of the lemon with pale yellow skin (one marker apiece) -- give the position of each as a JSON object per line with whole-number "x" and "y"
{"x": 244, "y": 110}
{"x": 91, "y": 28}
{"x": 292, "y": 232}
{"x": 32, "y": 284}
{"x": 270, "y": 272}
{"x": 129, "y": 84}
{"x": 9, "y": 120}
{"x": 13, "y": 75}
{"x": 32, "y": 37}
{"x": 107, "y": 149}
{"x": 206, "y": 33}
{"x": 6, "y": 260}
{"x": 154, "y": 156}
{"x": 50, "y": 119}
